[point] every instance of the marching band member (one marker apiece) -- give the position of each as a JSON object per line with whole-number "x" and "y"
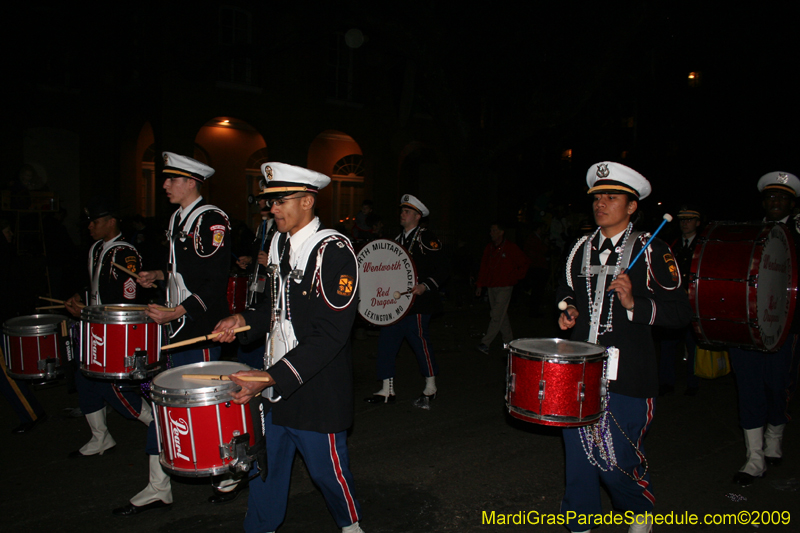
{"x": 765, "y": 381}
{"x": 307, "y": 404}
{"x": 648, "y": 294}
{"x": 197, "y": 281}
{"x": 426, "y": 251}
{"x": 108, "y": 285}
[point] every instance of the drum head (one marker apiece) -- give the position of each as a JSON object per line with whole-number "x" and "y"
{"x": 386, "y": 275}
{"x": 115, "y": 314}
{"x": 33, "y": 325}
{"x": 555, "y": 348}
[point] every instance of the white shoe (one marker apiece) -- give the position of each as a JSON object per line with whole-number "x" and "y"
{"x": 773, "y": 438}
{"x": 352, "y": 528}
{"x": 642, "y": 523}
{"x": 159, "y": 487}
{"x": 101, "y": 439}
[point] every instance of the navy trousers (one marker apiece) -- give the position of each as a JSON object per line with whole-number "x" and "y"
{"x": 764, "y": 381}
{"x": 325, "y": 455}
{"x": 582, "y": 494}
{"x": 414, "y": 328}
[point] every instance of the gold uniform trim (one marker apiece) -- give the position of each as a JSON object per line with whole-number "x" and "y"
{"x": 178, "y": 172}
{"x": 613, "y": 188}
{"x": 781, "y": 187}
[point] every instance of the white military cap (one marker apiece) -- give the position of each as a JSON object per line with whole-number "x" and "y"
{"x": 608, "y": 176}
{"x": 413, "y": 202}
{"x": 781, "y": 181}
{"x": 186, "y": 167}
{"x": 281, "y": 179}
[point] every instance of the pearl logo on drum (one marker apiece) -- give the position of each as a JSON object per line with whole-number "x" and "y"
{"x": 177, "y": 429}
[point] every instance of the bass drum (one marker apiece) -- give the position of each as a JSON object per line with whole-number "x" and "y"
{"x": 743, "y": 285}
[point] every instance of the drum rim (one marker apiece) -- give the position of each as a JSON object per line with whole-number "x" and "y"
{"x": 216, "y": 392}
{"x": 98, "y": 314}
{"x": 597, "y": 350}
{"x": 416, "y": 281}
{"x": 34, "y": 330}
{"x": 565, "y": 421}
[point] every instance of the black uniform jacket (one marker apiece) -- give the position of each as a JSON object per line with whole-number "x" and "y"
{"x": 426, "y": 250}
{"x": 658, "y": 301}
{"x": 315, "y": 379}
{"x": 114, "y": 285}
{"x": 203, "y": 257}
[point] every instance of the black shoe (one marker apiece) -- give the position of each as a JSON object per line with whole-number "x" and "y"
{"x": 225, "y": 497}
{"x": 380, "y": 398}
{"x": 663, "y": 390}
{"x": 774, "y": 461}
{"x": 28, "y": 426}
{"x": 130, "y": 509}
{"x": 424, "y": 401}
{"x": 744, "y": 479}
{"x": 691, "y": 391}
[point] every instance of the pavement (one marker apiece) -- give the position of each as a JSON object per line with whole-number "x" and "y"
{"x": 447, "y": 469}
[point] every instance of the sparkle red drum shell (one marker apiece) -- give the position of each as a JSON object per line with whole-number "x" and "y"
{"x": 237, "y": 293}
{"x": 111, "y": 335}
{"x": 29, "y": 343}
{"x": 743, "y": 286}
{"x": 555, "y": 382}
{"x": 385, "y": 269}
{"x": 194, "y": 417}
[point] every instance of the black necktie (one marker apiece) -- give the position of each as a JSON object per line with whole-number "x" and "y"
{"x": 285, "y": 254}
{"x": 607, "y": 245}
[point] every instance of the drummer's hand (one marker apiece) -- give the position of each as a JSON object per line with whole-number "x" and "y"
{"x": 622, "y": 287}
{"x": 563, "y": 321}
{"x": 419, "y": 289}
{"x": 148, "y": 278}
{"x": 250, "y": 388}
{"x": 161, "y": 315}
{"x": 72, "y": 305}
{"x": 226, "y": 326}
{"x": 263, "y": 258}
{"x": 244, "y": 261}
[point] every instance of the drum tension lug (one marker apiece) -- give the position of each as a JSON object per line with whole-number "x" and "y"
{"x": 236, "y": 451}
{"x": 138, "y": 361}
{"x": 49, "y": 367}
{"x": 541, "y": 390}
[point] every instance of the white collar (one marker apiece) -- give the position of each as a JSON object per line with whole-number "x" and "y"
{"x": 614, "y": 238}
{"x": 188, "y": 208}
{"x": 302, "y": 235}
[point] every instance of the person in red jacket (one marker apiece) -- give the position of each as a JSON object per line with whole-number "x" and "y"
{"x": 502, "y": 266}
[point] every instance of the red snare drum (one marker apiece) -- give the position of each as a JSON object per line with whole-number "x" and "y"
{"x": 743, "y": 286}
{"x": 113, "y": 336}
{"x": 555, "y": 382}
{"x": 237, "y": 293}
{"x": 196, "y": 419}
{"x": 33, "y": 346}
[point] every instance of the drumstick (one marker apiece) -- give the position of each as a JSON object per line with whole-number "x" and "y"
{"x": 79, "y": 304}
{"x": 201, "y": 338}
{"x": 398, "y": 294}
{"x": 50, "y": 307}
{"x": 134, "y": 274}
{"x": 667, "y": 218}
{"x": 264, "y": 379}
{"x": 563, "y": 306}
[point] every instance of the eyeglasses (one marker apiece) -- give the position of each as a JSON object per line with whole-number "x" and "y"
{"x": 280, "y": 201}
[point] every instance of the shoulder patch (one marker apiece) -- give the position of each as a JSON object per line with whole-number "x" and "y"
{"x": 434, "y": 244}
{"x": 219, "y": 234}
{"x": 345, "y": 285}
{"x": 130, "y": 263}
{"x": 670, "y": 262}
